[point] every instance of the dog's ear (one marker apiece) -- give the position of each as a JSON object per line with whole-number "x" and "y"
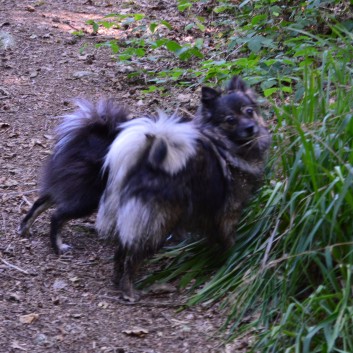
{"x": 209, "y": 95}
{"x": 237, "y": 84}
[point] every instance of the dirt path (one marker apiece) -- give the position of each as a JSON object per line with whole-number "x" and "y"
{"x": 68, "y": 304}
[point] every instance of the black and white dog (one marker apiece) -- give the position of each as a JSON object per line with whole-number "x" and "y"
{"x": 167, "y": 175}
{"x": 160, "y": 175}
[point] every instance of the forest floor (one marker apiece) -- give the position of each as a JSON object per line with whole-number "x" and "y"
{"x": 68, "y": 303}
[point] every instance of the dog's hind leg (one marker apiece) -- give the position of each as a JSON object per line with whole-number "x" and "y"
{"x": 58, "y": 219}
{"x": 128, "y": 260}
{"x": 64, "y": 213}
{"x": 39, "y": 206}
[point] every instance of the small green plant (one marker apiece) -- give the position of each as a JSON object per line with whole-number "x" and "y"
{"x": 143, "y": 44}
{"x": 265, "y": 40}
{"x": 79, "y": 33}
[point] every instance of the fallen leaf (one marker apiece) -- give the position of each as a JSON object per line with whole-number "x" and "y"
{"x": 103, "y": 305}
{"x": 80, "y": 74}
{"x": 4, "y": 125}
{"x": 2, "y": 24}
{"x": 29, "y": 318}
{"x": 74, "y": 279}
{"x": 16, "y": 345}
{"x": 36, "y": 142}
{"x": 161, "y": 288}
{"x": 76, "y": 316}
{"x": 136, "y": 331}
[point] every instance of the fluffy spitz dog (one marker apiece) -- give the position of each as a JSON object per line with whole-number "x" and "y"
{"x": 167, "y": 174}
{"x": 72, "y": 179}
{"x": 155, "y": 176}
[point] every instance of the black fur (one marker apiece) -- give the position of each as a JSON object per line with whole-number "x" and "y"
{"x": 72, "y": 179}
{"x": 205, "y": 197}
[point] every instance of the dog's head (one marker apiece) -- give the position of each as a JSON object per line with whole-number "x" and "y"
{"x": 235, "y": 114}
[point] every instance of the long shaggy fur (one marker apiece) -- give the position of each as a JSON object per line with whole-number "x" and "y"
{"x": 168, "y": 175}
{"x": 165, "y": 144}
{"x": 155, "y": 176}
{"x": 72, "y": 179}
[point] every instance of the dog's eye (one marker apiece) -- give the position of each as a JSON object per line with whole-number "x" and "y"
{"x": 249, "y": 111}
{"x": 231, "y": 120}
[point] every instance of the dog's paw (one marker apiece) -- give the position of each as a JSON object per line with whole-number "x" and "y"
{"x": 128, "y": 292}
{"x": 24, "y": 231}
{"x": 131, "y": 296}
{"x": 64, "y": 248}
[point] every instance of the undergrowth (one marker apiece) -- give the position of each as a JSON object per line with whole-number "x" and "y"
{"x": 289, "y": 275}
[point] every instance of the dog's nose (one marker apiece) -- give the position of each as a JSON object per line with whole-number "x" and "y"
{"x": 251, "y": 129}
{"x": 247, "y": 129}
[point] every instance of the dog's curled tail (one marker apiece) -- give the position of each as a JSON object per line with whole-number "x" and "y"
{"x": 164, "y": 144}
{"x": 106, "y": 114}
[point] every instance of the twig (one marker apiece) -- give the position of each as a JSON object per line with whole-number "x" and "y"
{"x": 18, "y": 193}
{"x": 14, "y": 267}
{"x": 186, "y": 112}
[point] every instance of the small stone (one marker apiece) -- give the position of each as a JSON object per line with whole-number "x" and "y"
{"x": 183, "y": 98}
{"x": 30, "y": 8}
{"x": 59, "y": 284}
{"x": 80, "y": 74}
{"x": 41, "y": 339}
{"x": 33, "y": 74}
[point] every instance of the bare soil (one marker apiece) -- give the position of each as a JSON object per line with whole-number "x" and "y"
{"x": 68, "y": 303}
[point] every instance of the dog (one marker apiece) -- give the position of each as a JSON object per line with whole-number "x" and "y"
{"x": 72, "y": 180}
{"x": 167, "y": 174}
